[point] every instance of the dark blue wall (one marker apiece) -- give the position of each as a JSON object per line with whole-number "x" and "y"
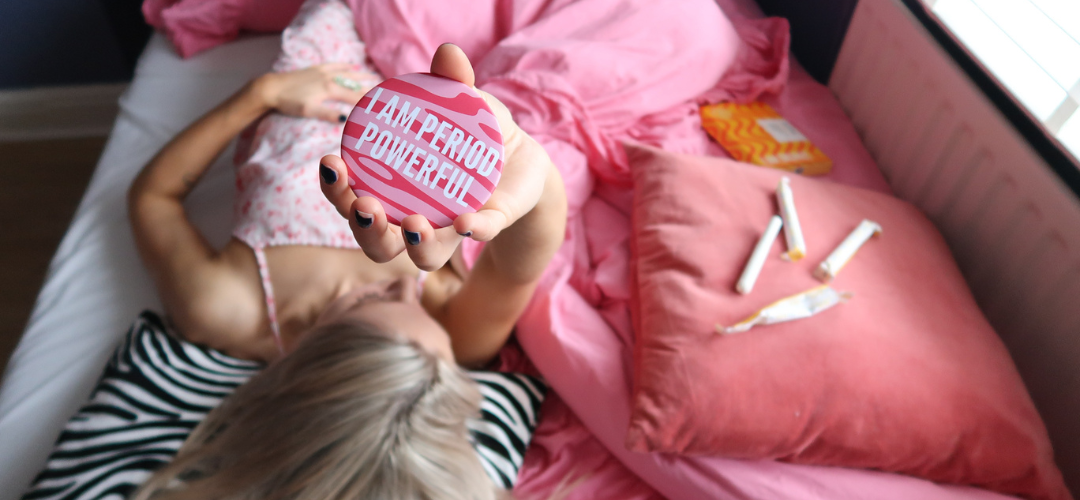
{"x": 57, "y": 42}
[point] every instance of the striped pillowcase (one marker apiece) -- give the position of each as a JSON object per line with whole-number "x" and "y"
{"x": 157, "y": 388}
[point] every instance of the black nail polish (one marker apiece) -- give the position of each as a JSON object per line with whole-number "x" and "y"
{"x": 328, "y": 174}
{"x": 363, "y": 220}
{"x": 342, "y": 118}
{"x": 465, "y": 234}
{"x": 412, "y": 237}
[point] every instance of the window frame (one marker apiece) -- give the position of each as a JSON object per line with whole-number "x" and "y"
{"x": 1060, "y": 160}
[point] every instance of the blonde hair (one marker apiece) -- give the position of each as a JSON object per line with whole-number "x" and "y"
{"x": 352, "y": 413}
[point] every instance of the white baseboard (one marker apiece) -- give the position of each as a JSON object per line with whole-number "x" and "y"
{"x": 59, "y": 112}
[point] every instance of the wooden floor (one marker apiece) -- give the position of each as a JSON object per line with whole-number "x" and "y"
{"x": 41, "y": 183}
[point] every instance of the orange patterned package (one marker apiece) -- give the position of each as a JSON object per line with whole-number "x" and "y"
{"x": 756, "y": 133}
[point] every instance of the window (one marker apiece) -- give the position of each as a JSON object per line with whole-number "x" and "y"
{"x": 1032, "y": 47}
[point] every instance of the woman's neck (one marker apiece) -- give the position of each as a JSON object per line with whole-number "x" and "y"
{"x": 307, "y": 278}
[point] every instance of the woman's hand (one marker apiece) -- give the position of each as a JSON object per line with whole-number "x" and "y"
{"x": 306, "y": 92}
{"x": 526, "y": 170}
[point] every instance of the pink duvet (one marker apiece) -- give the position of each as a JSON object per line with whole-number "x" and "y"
{"x": 582, "y": 77}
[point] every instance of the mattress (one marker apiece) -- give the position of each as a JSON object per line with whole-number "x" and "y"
{"x": 96, "y": 285}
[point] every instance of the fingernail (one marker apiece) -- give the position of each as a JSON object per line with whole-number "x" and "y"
{"x": 466, "y": 234}
{"x": 328, "y": 174}
{"x": 364, "y": 220}
{"x": 342, "y": 118}
{"x": 412, "y": 237}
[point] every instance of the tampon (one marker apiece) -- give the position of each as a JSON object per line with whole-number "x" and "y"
{"x": 796, "y": 245}
{"x": 836, "y": 261}
{"x": 757, "y": 257}
{"x": 798, "y": 306}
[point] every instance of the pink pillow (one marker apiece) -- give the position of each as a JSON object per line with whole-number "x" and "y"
{"x": 907, "y": 376}
{"x": 197, "y": 25}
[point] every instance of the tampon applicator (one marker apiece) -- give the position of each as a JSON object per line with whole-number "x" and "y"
{"x": 843, "y": 253}
{"x": 793, "y": 236}
{"x": 757, "y": 257}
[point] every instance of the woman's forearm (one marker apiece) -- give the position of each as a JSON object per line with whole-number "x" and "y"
{"x": 179, "y": 165}
{"x": 522, "y": 251}
{"x": 481, "y": 315}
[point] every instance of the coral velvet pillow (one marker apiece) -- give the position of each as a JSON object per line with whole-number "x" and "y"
{"x": 907, "y": 376}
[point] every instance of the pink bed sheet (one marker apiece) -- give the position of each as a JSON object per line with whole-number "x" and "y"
{"x": 583, "y": 77}
{"x": 763, "y": 71}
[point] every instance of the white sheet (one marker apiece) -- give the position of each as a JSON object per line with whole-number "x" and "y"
{"x": 96, "y": 284}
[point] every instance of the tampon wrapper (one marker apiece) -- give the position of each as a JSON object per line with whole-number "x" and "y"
{"x": 843, "y": 253}
{"x": 796, "y": 245}
{"x": 757, "y": 257}
{"x": 798, "y": 306}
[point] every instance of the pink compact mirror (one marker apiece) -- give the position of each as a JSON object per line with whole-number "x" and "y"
{"x": 423, "y": 144}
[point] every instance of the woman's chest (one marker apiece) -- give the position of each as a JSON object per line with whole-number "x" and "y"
{"x": 305, "y": 280}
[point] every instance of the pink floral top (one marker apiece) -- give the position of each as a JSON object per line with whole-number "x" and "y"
{"x": 278, "y": 197}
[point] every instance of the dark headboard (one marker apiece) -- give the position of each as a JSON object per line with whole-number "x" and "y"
{"x": 128, "y": 27}
{"x": 817, "y": 30}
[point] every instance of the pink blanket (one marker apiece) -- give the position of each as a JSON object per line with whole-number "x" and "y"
{"x": 582, "y": 77}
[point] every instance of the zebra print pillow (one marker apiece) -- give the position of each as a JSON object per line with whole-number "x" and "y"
{"x": 157, "y": 388}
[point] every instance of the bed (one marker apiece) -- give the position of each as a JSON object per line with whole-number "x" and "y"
{"x": 91, "y": 292}
{"x": 95, "y": 288}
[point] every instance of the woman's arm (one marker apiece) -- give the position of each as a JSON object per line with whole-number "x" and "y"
{"x": 482, "y": 314}
{"x": 206, "y": 292}
{"x": 524, "y": 222}
{"x": 203, "y": 295}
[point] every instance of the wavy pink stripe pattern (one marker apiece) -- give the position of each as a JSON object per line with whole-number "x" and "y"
{"x": 394, "y": 167}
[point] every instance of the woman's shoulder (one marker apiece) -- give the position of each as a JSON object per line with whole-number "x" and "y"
{"x": 227, "y": 311}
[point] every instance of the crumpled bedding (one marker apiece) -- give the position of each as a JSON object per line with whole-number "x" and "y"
{"x": 583, "y": 77}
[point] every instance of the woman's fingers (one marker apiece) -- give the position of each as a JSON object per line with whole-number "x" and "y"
{"x": 325, "y": 113}
{"x": 378, "y": 238}
{"x": 334, "y": 180}
{"x": 483, "y": 225}
{"x": 429, "y": 248}
{"x": 450, "y": 61}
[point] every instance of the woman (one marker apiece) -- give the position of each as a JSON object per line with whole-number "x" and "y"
{"x": 363, "y": 396}
{"x": 390, "y": 424}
